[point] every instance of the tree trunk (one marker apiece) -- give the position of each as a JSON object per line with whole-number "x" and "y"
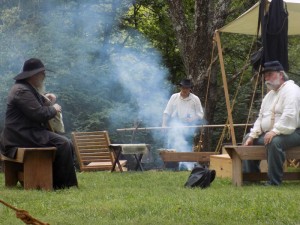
{"x": 195, "y": 44}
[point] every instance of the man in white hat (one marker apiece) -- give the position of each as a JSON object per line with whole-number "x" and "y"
{"x": 27, "y": 115}
{"x": 278, "y": 124}
{"x": 183, "y": 109}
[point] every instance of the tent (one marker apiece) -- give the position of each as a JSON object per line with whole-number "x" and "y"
{"x": 247, "y": 24}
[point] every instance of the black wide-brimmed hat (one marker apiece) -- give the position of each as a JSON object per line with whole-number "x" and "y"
{"x": 272, "y": 66}
{"x": 31, "y": 67}
{"x": 186, "y": 83}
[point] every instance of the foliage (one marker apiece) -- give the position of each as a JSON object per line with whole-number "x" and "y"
{"x": 90, "y": 44}
{"x": 154, "y": 197}
{"x": 152, "y": 20}
{"x": 84, "y": 46}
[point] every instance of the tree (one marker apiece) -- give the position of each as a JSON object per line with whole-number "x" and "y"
{"x": 194, "y": 39}
{"x": 188, "y": 27}
{"x": 84, "y": 42}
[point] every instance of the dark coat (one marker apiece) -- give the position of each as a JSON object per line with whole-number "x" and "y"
{"x": 26, "y": 118}
{"x": 26, "y": 126}
{"x": 275, "y": 34}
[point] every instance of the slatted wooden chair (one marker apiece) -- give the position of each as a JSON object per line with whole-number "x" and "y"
{"x": 92, "y": 151}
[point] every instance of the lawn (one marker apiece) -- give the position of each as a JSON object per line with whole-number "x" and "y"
{"x": 154, "y": 198}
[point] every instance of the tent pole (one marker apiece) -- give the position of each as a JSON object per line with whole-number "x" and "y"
{"x": 231, "y": 127}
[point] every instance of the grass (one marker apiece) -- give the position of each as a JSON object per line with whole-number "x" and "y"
{"x": 153, "y": 198}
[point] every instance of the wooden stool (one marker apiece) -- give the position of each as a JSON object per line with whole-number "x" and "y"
{"x": 32, "y": 167}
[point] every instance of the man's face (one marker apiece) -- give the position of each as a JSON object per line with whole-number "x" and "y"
{"x": 185, "y": 91}
{"x": 273, "y": 79}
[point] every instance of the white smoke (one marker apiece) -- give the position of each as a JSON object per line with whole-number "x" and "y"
{"x": 81, "y": 42}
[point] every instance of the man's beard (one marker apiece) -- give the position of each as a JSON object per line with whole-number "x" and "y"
{"x": 41, "y": 88}
{"x": 273, "y": 85}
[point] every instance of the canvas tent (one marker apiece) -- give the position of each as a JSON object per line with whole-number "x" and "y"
{"x": 247, "y": 24}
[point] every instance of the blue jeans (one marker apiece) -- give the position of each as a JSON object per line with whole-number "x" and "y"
{"x": 275, "y": 155}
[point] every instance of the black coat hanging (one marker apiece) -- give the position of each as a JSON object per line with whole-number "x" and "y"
{"x": 275, "y": 34}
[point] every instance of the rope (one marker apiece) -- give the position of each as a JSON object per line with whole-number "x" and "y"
{"x": 24, "y": 215}
{"x": 221, "y": 139}
{"x": 252, "y": 101}
{"x": 209, "y": 72}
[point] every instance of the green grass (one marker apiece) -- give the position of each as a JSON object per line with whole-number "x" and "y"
{"x": 154, "y": 198}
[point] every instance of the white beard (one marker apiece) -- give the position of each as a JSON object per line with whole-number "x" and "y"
{"x": 41, "y": 89}
{"x": 273, "y": 85}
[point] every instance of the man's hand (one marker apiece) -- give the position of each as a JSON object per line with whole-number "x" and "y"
{"x": 249, "y": 141}
{"x": 268, "y": 137}
{"x": 51, "y": 97}
{"x": 57, "y": 107}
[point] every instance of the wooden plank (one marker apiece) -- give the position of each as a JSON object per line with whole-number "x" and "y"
{"x": 96, "y": 166}
{"x": 90, "y": 144}
{"x": 258, "y": 152}
{"x": 293, "y": 153}
{"x": 247, "y": 152}
{"x": 11, "y": 170}
{"x": 186, "y": 156}
{"x": 237, "y": 175}
{"x": 264, "y": 176}
{"x": 38, "y": 169}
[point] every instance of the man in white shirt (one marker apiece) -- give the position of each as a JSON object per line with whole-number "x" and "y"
{"x": 183, "y": 110}
{"x": 277, "y": 126}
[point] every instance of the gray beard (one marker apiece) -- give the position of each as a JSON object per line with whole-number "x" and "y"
{"x": 274, "y": 85}
{"x": 41, "y": 89}
{"x": 270, "y": 86}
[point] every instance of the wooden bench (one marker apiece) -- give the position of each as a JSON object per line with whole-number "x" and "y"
{"x": 32, "y": 167}
{"x": 170, "y": 156}
{"x": 239, "y": 153}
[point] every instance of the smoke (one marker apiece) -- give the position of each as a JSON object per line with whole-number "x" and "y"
{"x": 181, "y": 138}
{"x": 114, "y": 74}
{"x": 119, "y": 65}
{"x": 143, "y": 78}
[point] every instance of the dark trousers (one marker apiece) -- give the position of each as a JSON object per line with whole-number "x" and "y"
{"x": 64, "y": 174}
{"x": 275, "y": 155}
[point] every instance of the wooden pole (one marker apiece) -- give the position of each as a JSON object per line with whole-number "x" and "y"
{"x": 177, "y": 127}
{"x": 231, "y": 127}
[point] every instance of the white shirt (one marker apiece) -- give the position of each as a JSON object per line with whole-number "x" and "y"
{"x": 183, "y": 108}
{"x": 285, "y": 104}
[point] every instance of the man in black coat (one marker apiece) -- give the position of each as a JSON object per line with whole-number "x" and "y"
{"x": 27, "y": 115}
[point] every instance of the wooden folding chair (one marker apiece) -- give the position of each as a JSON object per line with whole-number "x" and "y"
{"x": 92, "y": 151}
